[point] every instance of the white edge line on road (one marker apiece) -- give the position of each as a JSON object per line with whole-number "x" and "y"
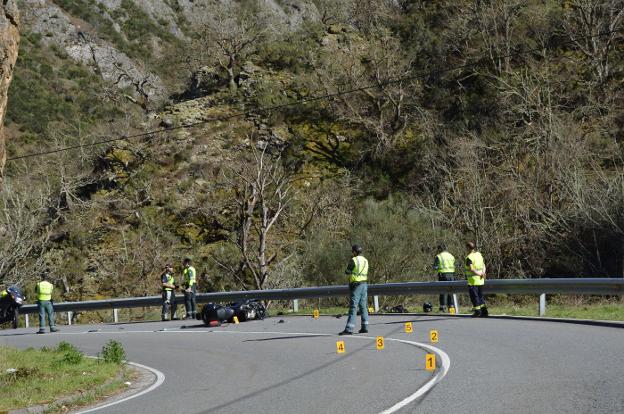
{"x": 160, "y": 378}
{"x": 445, "y": 365}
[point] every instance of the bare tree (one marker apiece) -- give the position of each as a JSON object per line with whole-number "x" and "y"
{"x": 496, "y": 21}
{"x": 595, "y": 27}
{"x": 386, "y": 101}
{"x": 23, "y": 233}
{"x": 332, "y": 12}
{"x": 142, "y": 82}
{"x": 230, "y": 39}
{"x": 263, "y": 193}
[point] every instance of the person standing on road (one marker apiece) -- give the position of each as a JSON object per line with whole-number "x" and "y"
{"x": 474, "y": 268}
{"x": 190, "y": 289}
{"x": 44, "y": 303}
{"x": 357, "y": 269}
{"x": 444, "y": 265}
{"x": 168, "y": 294}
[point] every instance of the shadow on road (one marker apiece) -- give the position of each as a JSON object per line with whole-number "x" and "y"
{"x": 277, "y": 338}
{"x": 295, "y": 378}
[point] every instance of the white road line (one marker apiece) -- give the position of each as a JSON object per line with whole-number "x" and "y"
{"x": 160, "y": 378}
{"x": 445, "y": 365}
{"x": 445, "y": 361}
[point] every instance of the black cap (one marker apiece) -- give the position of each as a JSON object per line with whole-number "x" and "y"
{"x": 357, "y": 248}
{"x": 187, "y": 260}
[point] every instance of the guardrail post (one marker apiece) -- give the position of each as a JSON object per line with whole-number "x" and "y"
{"x": 455, "y": 303}
{"x": 69, "y": 317}
{"x": 376, "y": 302}
{"x": 295, "y": 305}
{"x": 26, "y": 321}
{"x": 542, "y": 304}
{"x": 116, "y": 315}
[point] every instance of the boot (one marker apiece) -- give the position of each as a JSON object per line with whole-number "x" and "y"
{"x": 484, "y": 312}
{"x": 476, "y": 313}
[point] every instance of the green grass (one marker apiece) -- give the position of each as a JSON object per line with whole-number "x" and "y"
{"x": 44, "y": 376}
{"x": 610, "y": 312}
{"x": 605, "y": 310}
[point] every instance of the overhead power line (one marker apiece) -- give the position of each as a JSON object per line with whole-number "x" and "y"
{"x": 310, "y": 99}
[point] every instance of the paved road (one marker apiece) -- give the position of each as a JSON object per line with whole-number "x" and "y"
{"x": 496, "y": 366}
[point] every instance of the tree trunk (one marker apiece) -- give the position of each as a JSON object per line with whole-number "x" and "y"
{"x": 9, "y": 43}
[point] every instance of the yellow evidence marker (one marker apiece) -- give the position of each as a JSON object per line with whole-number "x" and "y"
{"x": 433, "y": 336}
{"x": 452, "y": 310}
{"x": 430, "y": 363}
{"x": 371, "y": 310}
{"x": 236, "y": 320}
{"x": 408, "y": 327}
{"x": 340, "y": 347}
{"x": 315, "y": 314}
{"x": 380, "y": 343}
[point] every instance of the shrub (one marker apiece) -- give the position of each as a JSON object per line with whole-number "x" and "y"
{"x": 71, "y": 354}
{"x": 73, "y": 357}
{"x": 113, "y": 352}
{"x": 65, "y": 346}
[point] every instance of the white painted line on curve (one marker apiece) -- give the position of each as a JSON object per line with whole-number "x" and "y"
{"x": 160, "y": 378}
{"x": 445, "y": 365}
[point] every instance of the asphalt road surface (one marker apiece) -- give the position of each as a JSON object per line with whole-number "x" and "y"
{"x": 496, "y": 366}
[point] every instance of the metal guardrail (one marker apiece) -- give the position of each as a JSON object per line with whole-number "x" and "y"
{"x": 574, "y": 286}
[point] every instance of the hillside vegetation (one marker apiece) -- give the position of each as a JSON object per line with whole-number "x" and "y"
{"x": 496, "y": 121}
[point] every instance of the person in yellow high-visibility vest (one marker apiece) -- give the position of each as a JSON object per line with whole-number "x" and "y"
{"x": 168, "y": 294}
{"x": 357, "y": 270}
{"x": 444, "y": 265}
{"x": 474, "y": 269}
{"x": 190, "y": 288}
{"x": 44, "y": 303}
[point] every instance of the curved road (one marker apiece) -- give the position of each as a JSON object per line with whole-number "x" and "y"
{"x": 496, "y": 366}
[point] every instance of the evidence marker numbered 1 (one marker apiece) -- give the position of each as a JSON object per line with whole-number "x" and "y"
{"x": 430, "y": 362}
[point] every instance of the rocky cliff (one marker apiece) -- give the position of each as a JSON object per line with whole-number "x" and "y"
{"x": 9, "y": 42}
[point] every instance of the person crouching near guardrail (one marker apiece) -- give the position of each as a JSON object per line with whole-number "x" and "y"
{"x": 168, "y": 294}
{"x": 474, "y": 269}
{"x": 357, "y": 269}
{"x": 44, "y": 303}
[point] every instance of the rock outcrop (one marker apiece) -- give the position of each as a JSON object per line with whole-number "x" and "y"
{"x": 9, "y": 43}
{"x": 60, "y": 29}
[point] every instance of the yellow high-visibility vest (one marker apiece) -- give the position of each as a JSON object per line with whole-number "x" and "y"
{"x": 189, "y": 276}
{"x": 446, "y": 262}
{"x": 479, "y": 264}
{"x": 44, "y": 290}
{"x": 170, "y": 281}
{"x": 360, "y": 270}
